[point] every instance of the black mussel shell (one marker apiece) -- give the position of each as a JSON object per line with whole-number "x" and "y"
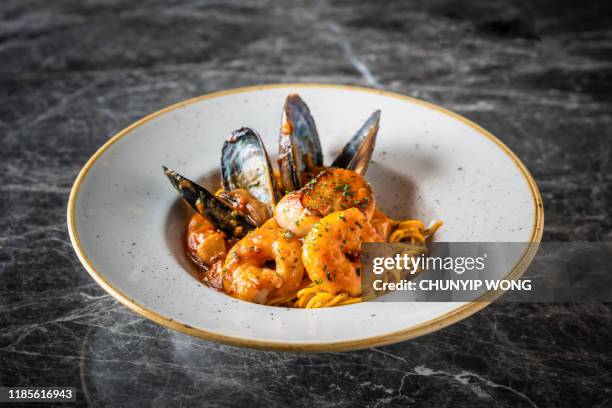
{"x": 357, "y": 153}
{"x": 222, "y": 215}
{"x": 245, "y": 165}
{"x": 299, "y": 145}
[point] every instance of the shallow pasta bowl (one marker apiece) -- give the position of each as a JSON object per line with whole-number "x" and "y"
{"x": 127, "y": 224}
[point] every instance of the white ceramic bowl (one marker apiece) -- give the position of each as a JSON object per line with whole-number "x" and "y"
{"x": 127, "y": 223}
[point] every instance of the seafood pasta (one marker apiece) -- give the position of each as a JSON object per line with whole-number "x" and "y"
{"x": 290, "y": 238}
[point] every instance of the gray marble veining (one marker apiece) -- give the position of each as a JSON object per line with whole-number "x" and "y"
{"x": 538, "y": 75}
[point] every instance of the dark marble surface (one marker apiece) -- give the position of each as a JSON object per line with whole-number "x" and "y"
{"x": 538, "y": 75}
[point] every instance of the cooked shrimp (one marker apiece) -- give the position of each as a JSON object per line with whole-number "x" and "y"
{"x": 207, "y": 246}
{"x": 332, "y": 251}
{"x": 332, "y": 190}
{"x": 265, "y": 264}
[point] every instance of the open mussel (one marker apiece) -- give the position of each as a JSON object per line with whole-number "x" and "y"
{"x": 300, "y": 151}
{"x": 357, "y": 152}
{"x": 245, "y": 165}
{"x": 221, "y": 214}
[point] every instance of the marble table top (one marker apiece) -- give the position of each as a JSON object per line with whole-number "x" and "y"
{"x": 72, "y": 73}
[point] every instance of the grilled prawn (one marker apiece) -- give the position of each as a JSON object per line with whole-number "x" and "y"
{"x": 332, "y": 251}
{"x": 264, "y": 264}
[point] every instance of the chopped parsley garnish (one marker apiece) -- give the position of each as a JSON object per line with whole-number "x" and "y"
{"x": 329, "y": 278}
{"x": 346, "y": 191}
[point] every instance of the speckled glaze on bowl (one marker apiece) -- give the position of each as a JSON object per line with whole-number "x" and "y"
{"x": 126, "y": 223}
